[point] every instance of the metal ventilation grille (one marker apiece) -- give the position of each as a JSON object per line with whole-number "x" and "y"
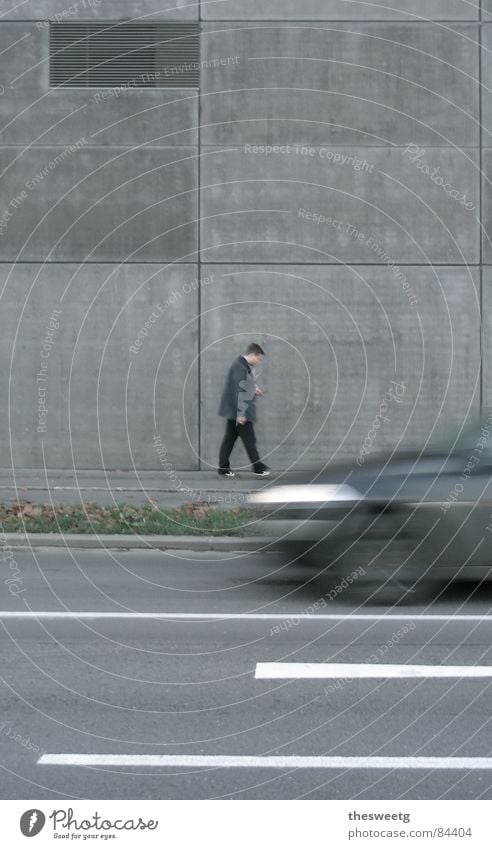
{"x": 144, "y": 55}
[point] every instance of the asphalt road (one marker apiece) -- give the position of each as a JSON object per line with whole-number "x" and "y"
{"x": 181, "y": 679}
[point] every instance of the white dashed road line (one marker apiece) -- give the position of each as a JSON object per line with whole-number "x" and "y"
{"x": 368, "y": 670}
{"x": 266, "y": 762}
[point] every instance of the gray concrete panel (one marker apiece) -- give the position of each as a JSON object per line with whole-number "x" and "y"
{"x": 86, "y": 10}
{"x": 487, "y": 206}
{"x": 486, "y": 88}
{"x": 335, "y": 338}
{"x": 486, "y": 9}
{"x": 371, "y": 84}
{"x": 101, "y": 397}
{"x": 487, "y": 337}
{"x": 98, "y": 204}
{"x": 370, "y": 206}
{"x": 365, "y": 10}
{"x": 31, "y": 112}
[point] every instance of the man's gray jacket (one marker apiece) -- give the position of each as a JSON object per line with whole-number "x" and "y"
{"x": 239, "y": 395}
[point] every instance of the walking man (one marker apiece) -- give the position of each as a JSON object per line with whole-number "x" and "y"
{"x": 238, "y": 406}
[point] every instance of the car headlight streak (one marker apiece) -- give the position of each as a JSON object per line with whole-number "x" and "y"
{"x": 307, "y": 493}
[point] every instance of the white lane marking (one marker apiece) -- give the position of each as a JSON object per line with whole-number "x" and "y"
{"x": 304, "y": 617}
{"x": 367, "y": 670}
{"x": 266, "y": 761}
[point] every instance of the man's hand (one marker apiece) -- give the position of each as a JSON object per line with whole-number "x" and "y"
{"x": 259, "y": 391}
{"x": 241, "y": 420}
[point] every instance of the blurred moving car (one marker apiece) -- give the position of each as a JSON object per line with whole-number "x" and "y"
{"x": 409, "y": 521}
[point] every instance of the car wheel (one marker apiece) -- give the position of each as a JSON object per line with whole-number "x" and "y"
{"x": 386, "y": 564}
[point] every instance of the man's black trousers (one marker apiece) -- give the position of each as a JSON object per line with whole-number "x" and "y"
{"x": 246, "y": 432}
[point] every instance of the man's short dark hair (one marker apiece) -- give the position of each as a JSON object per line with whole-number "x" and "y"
{"x": 255, "y": 349}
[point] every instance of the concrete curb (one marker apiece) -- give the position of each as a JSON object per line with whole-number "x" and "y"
{"x": 125, "y": 541}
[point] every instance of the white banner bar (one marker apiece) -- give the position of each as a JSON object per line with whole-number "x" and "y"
{"x": 221, "y": 824}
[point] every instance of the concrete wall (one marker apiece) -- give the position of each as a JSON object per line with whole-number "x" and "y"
{"x": 326, "y": 193}
{"x": 77, "y": 393}
{"x": 90, "y": 10}
{"x": 342, "y": 84}
{"x": 104, "y": 229}
{"x": 336, "y": 338}
{"x": 334, "y": 10}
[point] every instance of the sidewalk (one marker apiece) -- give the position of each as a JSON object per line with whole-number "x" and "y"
{"x": 64, "y": 486}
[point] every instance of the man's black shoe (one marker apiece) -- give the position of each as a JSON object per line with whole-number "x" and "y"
{"x": 264, "y": 473}
{"x": 228, "y": 474}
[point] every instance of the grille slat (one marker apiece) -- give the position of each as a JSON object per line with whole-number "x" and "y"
{"x": 142, "y": 55}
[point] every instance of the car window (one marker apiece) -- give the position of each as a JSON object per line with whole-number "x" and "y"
{"x": 477, "y": 437}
